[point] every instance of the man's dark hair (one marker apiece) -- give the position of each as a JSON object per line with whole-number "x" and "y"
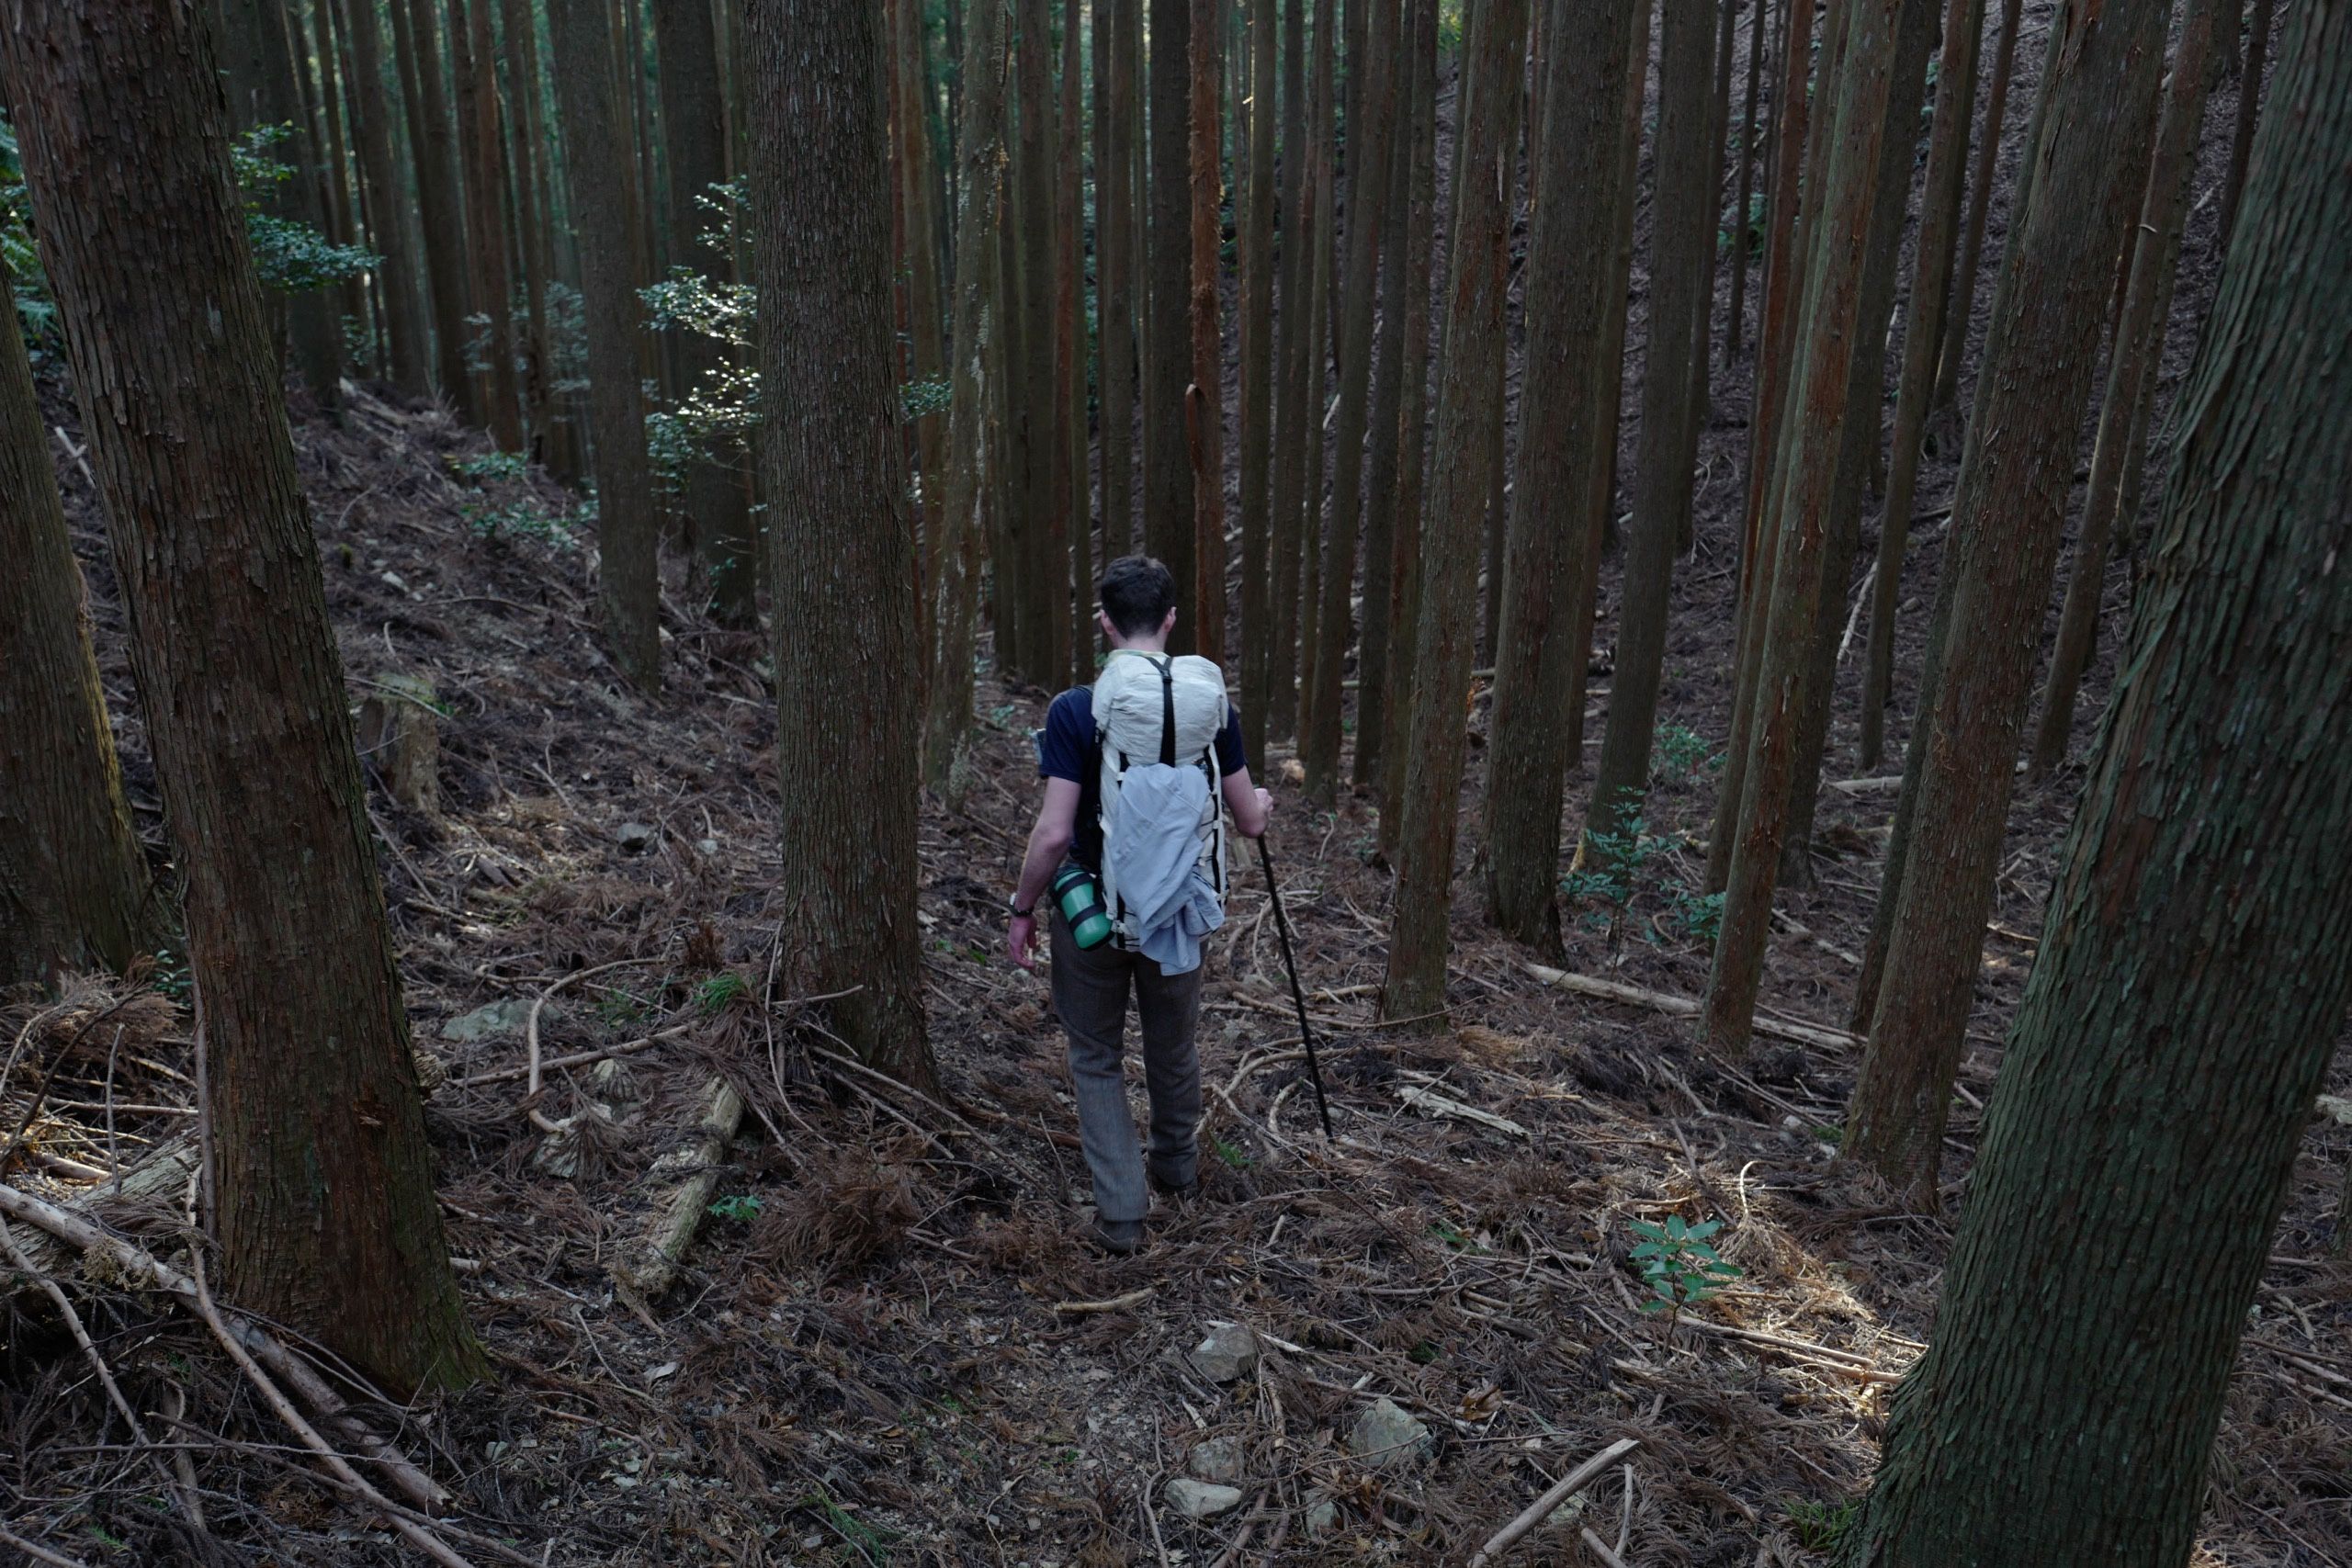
{"x": 1137, "y": 593}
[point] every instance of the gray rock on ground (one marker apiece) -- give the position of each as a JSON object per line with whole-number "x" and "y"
{"x": 1217, "y": 1458}
{"x": 496, "y": 1020}
{"x": 1229, "y": 1351}
{"x": 1200, "y": 1499}
{"x": 1386, "y": 1436}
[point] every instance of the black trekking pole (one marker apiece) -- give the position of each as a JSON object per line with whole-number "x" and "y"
{"x": 1306, "y": 1034}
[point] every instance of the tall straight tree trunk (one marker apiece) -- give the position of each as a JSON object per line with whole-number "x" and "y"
{"x": 1038, "y": 528}
{"x": 1792, "y": 116}
{"x": 1682, "y": 238}
{"x": 2258, "y": 49}
{"x": 1402, "y": 683}
{"x": 440, "y": 198}
{"x": 1070, "y": 345}
{"x": 1205, "y": 394}
{"x": 320, "y": 1182}
{"x": 2138, "y": 346}
{"x": 1480, "y": 278}
{"x": 407, "y": 343}
{"x": 596, "y": 144}
{"x": 1858, "y": 437}
{"x": 1167, "y": 520}
{"x": 842, "y": 571}
{"x": 1923, "y": 333}
{"x": 1368, "y": 141}
{"x": 257, "y": 29}
{"x": 1734, "y": 322}
{"x": 526, "y": 146}
{"x": 74, "y": 892}
{"x": 2197, "y": 951}
{"x": 1718, "y": 169}
{"x": 1601, "y": 468}
{"x": 1257, "y": 409}
{"x": 1819, "y": 385}
{"x": 969, "y": 477}
{"x": 694, "y": 130}
{"x": 1554, "y": 522}
{"x": 2015, "y": 474}
{"x": 1298, "y": 506}
{"x": 1387, "y": 394}
{"x": 342, "y": 208}
{"x": 1963, "y": 305}
{"x": 486, "y": 218}
{"x": 1115, "y": 48}
{"x": 911, "y": 159}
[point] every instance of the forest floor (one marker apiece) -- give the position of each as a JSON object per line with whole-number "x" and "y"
{"x": 889, "y": 1343}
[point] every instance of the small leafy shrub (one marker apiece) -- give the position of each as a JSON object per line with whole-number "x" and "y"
{"x": 487, "y": 466}
{"x": 741, "y": 1208}
{"x": 1681, "y": 753}
{"x": 1678, "y": 1265}
{"x": 1608, "y": 875}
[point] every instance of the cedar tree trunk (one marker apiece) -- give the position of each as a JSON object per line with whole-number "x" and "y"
{"x": 321, "y": 1181}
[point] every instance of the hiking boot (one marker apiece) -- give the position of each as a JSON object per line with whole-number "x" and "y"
{"x": 1171, "y": 1191}
{"x": 1121, "y": 1238}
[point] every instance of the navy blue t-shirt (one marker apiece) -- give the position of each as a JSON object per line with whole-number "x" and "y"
{"x": 1066, "y": 750}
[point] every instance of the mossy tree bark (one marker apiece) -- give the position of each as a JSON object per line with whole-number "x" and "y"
{"x": 321, "y": 1179}
{"x": 598, "y": 149}
{"x": 2016, "y": 471}
{"x": 1480, "y": 264}
{"x": 1555, "y": 513}
{"x": 2197, "y": 959}
{"x": 842, "y": 573}
{"x": 74, "y": 892}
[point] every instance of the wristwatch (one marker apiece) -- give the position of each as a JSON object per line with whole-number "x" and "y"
{"x": 1013, "y": 906}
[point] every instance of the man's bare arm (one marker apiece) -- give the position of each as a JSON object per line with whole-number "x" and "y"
{"x": 1246, "y": 804}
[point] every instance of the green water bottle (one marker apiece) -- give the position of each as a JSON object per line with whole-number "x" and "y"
{"x": 1080, "y": 897}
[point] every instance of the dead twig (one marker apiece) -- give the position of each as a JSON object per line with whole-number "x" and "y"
{"x": 1535, "y": 1513}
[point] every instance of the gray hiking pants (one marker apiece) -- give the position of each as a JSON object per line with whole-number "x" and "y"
{"x": 1090, "y": 997}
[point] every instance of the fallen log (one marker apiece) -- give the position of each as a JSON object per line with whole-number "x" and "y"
{"x": 649, "y": 1266}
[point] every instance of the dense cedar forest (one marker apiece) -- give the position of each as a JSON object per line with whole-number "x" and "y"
{"x": 1783, "y": 569}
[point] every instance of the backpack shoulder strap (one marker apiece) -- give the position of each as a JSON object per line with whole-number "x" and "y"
{"x": 1167, "y": 667}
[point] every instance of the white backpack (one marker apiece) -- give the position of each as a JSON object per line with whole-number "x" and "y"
{"x": 1158, "y": 710}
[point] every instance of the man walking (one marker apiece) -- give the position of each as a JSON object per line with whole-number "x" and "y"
{"x": 1139, "y": 736}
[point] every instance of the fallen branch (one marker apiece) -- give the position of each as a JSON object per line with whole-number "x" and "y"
{"x": 417, "y": 1535}
{"x": 1535, "y": 1513}
{"x": 139, "y": 1268}
{"x": 1834, "y": 1360}
{"x": 1688, "y": 1007}
{"x": 654, "y": 1266}
{"x": 531, "y": 1042}
{"x": 1116, "y": 1303}
{"x": 1436, "y": 1104}
{"x": 1600, "y": 1549}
